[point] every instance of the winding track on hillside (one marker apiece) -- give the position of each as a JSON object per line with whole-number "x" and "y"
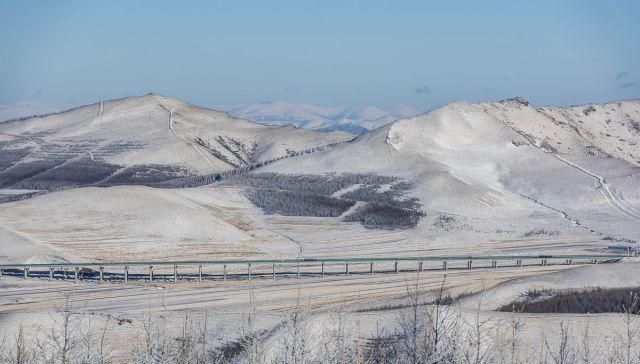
{"x": 173, "y": 130}
{"x": 601, "y": 183}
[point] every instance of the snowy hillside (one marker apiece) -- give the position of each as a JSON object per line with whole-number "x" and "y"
{"x": 355, "y": 120}
{"x": 139, "y": 140}
{"x": 507, "y": 166}
{"x": 492, "y": 178}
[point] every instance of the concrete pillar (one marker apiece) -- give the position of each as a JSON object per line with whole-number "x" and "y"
{"x": 26, "y": 272}
{"x": 469, "y": 264}
{"x": 101, "y": 274}
{"x": 200, "y": 273}
{"x": 420, "y": 266}
{"x": 126, "y": 275}
{"x": 494, "y": 264}
{"x": 273, "y": 271}
{"x": 224, "y": 272}
{"x": 371, "y": 268}
{"x": 150, "y": 274}
{"x": 249, "y": 270}
{"x": 322, "y": 269}
{"x": 175, "y": 274}
{"x": 50, "y": 274}
{"x": 395, "y": 267}
{"x": 444, "y": 265}
{"x": 346, "y": 268}
{"x": 75, "y": 274}
{"x": 298, "y": 270}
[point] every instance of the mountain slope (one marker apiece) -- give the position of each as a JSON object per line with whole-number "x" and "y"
{"x": 507, "y": 164}
{"x": 135, "y": 140}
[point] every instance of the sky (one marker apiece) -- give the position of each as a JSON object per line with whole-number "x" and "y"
{"x": 328, "y": 53}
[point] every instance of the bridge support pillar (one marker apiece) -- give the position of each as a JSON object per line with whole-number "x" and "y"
{"x": 50, "y": 274}
{"x": 249, "y": 270}
{"x": 75, "y": 274}
{"x": 371, "y": 268}
{"x": 273, "y": 271}
{"x": 26, "y": 273}
{"x": 346, "y": 268}
{"x": 175, "y": 274}
{"x": 101, "y": 274}
{"x": 200, "y": 273}
{"x": 298, "y": 271}
{"x": 444, "y": 265}
{"x": 224, "y": 272}
{"x": 420, "y": 266}
{"x": 126, "y": 275}
{"x": 469, "y": 264}
{"x": 395, "y": 267}
{"x": 322, "y": 268}
{"x": 150, "y": 274}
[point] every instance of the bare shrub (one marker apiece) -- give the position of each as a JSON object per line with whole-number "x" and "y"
{"x": 378, "y": 216}
{"x": 540, "y": 232}
{"x": 598, "y": 300}
{"x": 297, "y": 204}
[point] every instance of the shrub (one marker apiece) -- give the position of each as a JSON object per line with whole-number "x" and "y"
{"x": 598, "y": 300}
{"x": 290, "y": 203}
{"x": 374, "y": 215}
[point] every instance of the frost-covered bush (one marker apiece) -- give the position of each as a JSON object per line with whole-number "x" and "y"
{"x": 290, "y": 203}
{"x": 380, "y": 216}
{"x": 21, "y": 171}
{"x": 598, "y": 300}
{"x": 313, "y": 195}
{"x": 79, "y": 172}
{"x": 147, "y": 174}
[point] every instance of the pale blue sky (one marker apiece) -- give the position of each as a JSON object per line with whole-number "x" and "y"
{"x": 340, "y": 53}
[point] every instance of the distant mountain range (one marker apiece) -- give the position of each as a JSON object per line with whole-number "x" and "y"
{"x": 357, "y": 120}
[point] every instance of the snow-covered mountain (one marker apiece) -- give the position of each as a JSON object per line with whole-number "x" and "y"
{"x": 354, "y": 120}
{"x": 491, "y": 178}
{"x": 507, "y": 164}
{"x": 143, "y": 139}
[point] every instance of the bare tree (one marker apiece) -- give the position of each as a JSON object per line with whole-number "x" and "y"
{"x": 21, "y": 353}
{"x": 296, "y": 336}
{"x": 477, "y": 351}
{"x": 562, "y": 353}
{"x": 625, "y": 351}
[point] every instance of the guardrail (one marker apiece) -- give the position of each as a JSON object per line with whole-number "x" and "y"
{"x": 264, "y": 268}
